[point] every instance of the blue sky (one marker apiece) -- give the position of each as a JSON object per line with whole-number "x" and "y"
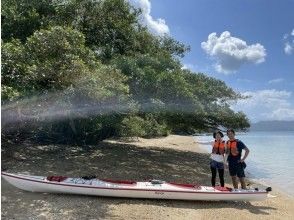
{"x": 248, "y": 44}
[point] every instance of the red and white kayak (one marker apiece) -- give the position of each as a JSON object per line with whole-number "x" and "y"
{"x": 154, "y": 189}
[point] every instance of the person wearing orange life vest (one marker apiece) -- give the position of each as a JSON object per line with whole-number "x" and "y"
{"x": 217, "y": 157}
{"x": 234, "y": 148}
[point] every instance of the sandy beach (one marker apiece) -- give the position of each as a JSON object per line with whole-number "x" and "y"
{"x": 174, "y": 158}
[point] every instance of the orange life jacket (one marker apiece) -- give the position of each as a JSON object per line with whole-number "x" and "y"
{"x": 232, "y": 147}
{"x": 218, "y": 147}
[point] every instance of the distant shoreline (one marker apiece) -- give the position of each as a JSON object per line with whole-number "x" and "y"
{"x": 272, "y": 126}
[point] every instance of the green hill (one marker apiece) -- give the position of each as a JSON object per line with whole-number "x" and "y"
{"x": 273, "y": 126}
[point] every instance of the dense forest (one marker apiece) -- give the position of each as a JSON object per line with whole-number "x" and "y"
{"x": 83, "y": 71}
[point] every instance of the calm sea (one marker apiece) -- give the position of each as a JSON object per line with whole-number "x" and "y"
{"x": 271, "y": 158}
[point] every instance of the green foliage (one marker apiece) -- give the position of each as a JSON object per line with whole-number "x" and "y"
{"x": 155, "y": 128}
{"x": 13, "y": 67}
{"x": 189, "y": 101}
{"x": 9, "y": 93}
{"x": 87, "y": 70}
{"x": 132, "y": 127}
{"x": 21, "y": 18}
{"x": 109, "y": 26}
{"x": 174, "y": 47}
{"x": 135, "y": 126}
{"x": 57, "y": 59}
{"x": 57, "y": 64}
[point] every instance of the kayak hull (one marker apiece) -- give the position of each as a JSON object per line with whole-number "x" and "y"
{"x": 147, "y": 190}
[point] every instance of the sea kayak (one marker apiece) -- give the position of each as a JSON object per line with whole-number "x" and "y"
{"x": 153, "y": 189}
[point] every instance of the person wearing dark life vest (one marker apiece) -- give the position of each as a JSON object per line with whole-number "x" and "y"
{"x": 217, "y": 158}
{"x": 236, "y": 163}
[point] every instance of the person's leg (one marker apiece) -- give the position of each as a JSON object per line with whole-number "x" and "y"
{"x": 213, "y": 175}
{"x": 243, "y": 184}
{"x": 235, "y": 182}
{"x": 233, "y": 174}
{"x": 241, "y": 175}
{"x": 221, "y": 177}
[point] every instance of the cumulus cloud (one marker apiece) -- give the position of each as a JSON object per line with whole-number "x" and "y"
{"x": 156, "y": 26}
{"x": 281, "y": 114}
{"x": 278, "y": 80}
{"x": 189, "y": 66}
{"x": 266, "y": 105}
{"x": 289, "y": 48}
{"x": 289, "y": 43}
{"x": 231, "y": 53}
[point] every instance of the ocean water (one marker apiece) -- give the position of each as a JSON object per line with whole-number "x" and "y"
{"x": 271, "y": 158}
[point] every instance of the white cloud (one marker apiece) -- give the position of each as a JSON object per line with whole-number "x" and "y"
{"x": 285, "y": 36}
{"x": 231, "y": 53}
{"x": 289, "y": 43}
{"x": 281, "y": 114}
{"x": 156, "y": 26}
{"x": 189, "y": 66}
{"x": 266, "y": 105}
{"x": 278, "y": 80}
{"x": 288, "y": 48}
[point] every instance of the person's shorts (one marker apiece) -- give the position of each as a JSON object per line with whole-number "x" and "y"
{"x": 236, "y": 169}
{"x": 216, "y": 165}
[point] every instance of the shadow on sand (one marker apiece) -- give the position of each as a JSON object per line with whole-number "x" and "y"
{"x": 105, "y": 160}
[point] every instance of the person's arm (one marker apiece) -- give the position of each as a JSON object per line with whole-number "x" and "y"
{"x": 204, "y": 142}
{"x": 245, "y": 155}
{"x": 226, "y": 156}
{"x": 243, "y": 147}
